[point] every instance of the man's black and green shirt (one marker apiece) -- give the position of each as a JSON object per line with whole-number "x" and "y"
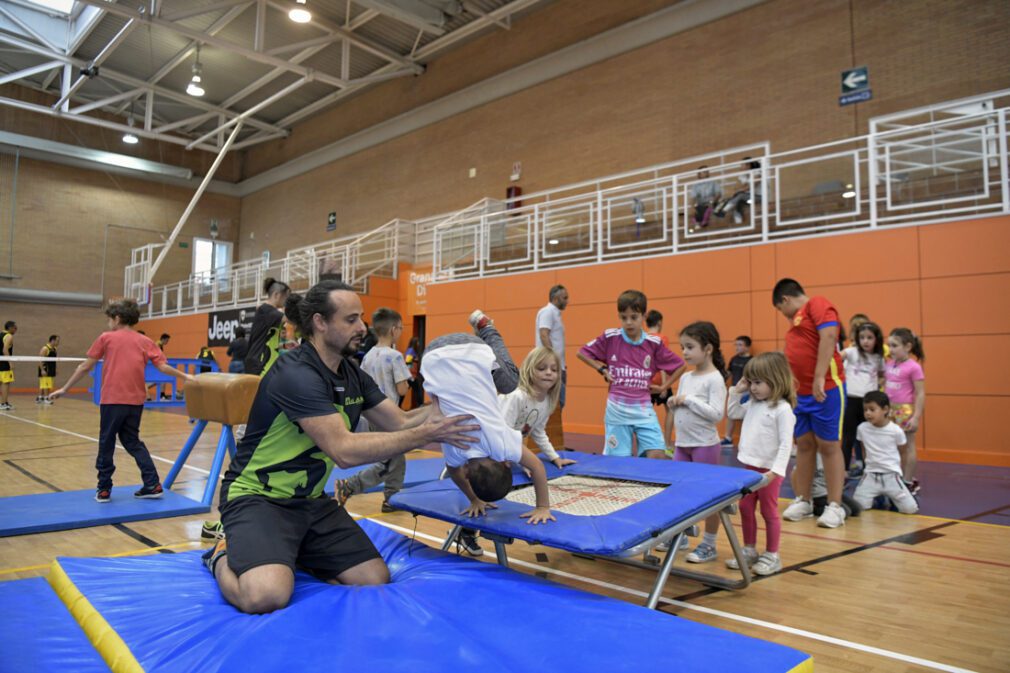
{"x": 276, "y": 458}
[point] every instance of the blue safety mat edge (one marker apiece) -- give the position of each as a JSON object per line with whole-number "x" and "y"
{"x": 692, "y": 488}
{"x": 419, "y": 470}
{"x": 65, "y": 510}
{"x": 38, "y": 634}
{"x": 441, "y": 612}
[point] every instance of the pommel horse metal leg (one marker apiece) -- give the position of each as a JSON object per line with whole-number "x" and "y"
{"x": 225, "y": 443}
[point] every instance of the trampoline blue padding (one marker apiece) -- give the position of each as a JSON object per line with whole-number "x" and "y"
{"x": 38, "y": 634}
{"x": 691, "y": 489}
{"x": 46, "y": 512}
{"x": 419, "y": 470}
{"x": 440, "y": 612}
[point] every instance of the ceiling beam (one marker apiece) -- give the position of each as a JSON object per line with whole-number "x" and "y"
{"x": 28, "y": 72}
{"x": 106, "y": 51}
{"x": 208, "y": 39}
{"x": 23, "y": 25}
{"x": 205, "y": 9}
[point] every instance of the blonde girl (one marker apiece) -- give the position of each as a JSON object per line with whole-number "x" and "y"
{"x": 766, "y": 440}
{"x": 530, "y": 405}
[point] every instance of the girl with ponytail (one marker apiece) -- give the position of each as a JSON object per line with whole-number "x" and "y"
{"x": 905, "y": 385}
{"x": 698, "y": 407}
{"x": 265, "y": 334}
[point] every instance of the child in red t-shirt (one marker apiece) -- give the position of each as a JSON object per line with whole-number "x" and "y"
{"x": 125, "y": 353}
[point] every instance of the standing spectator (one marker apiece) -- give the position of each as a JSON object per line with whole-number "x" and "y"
{"x": 163, "y": 341}
{"x": 736, "y": 366}
{"x": 811, "y": 349}
{"x": 705, "y": 193}
{"x": 864, "y": 373}
{"x": 6, "y": 368}
{"x": 551, "y": 331}
{"x": 207, "y": 359}
{"x": 238, "y": 348}
{"x": 412, "y": 356}
{"x": 905, "y": 384}
{"x": 265, "y": 334}
{"x": 47, "y": 370}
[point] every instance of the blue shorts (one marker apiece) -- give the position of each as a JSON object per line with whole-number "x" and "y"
{"x": 622, "y": 421}
{"x": 824, "y": 419}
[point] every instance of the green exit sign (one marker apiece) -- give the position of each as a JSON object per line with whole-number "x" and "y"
{"x": 183, "y": 244}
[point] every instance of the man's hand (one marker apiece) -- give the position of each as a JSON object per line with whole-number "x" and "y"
{"x": 453, "y": 430}
{"x": 477, "y": 508}
{"x": 538, "y": 515}
{"x": 561, "y": 462}
{"x": 912, "y": 424}
{"x": 57, "y": 394}
{"x": 818, "y": 389}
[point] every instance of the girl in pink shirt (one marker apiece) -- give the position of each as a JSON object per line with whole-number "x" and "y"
{"x": 905, "y": 385}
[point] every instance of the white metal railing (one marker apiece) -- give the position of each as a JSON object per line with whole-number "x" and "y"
{"x": 929, "y": 164}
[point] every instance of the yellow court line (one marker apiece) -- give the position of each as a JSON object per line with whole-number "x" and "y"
{"x": 8, "y": 571}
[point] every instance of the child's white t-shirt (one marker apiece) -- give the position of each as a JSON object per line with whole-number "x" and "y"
{"x": 704, "y": 406}
{"x": 880, "y": 446}
{"x": 766, "y": 436}
{"x": 862, "y": 371}
{"x": 459, "y": 377}
{"x": 529, "y": 417}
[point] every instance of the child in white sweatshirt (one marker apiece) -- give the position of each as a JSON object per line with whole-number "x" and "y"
{"x": 766, "y": 439}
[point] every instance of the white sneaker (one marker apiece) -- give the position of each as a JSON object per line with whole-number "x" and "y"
{"x": 750, "y": 556}
{"x": 768, "y": 564}
{"x": 799, "y": 509}
{"x": 833, "y": 517}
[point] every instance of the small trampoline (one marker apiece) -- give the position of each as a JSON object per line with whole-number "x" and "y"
{"x": 605, "y": 506}
{"x": 440, "y": 612}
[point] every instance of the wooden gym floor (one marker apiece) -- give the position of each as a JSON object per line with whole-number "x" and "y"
{"x": 886, "y": 592}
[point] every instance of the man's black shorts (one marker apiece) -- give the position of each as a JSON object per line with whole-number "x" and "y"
{"x": 315, "y": 534}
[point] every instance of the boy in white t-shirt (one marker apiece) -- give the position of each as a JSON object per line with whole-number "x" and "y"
{"x": 464, "y": 373}
{"x": 882, "y": 441}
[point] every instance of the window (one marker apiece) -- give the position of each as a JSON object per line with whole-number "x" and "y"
{"x": 210, "y": 258}
{"x": 61, "y": 6}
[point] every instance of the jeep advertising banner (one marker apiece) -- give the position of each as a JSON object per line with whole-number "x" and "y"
{"x": 221, "y": 325}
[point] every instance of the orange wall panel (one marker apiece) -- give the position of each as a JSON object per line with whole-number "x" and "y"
{"x": 961, "y": 427}
{"x": 967, "y": 365}
{"x": 596, "y": 284}
{"x": 459, "y": 296}
{"x": 522, "y": 290}
{"x": 687, "y": 275}
{"x": 888, "y": 254}
{"x": 729, "y": 312}
{"x": 962, "y": 248}
{"x": 762, "y": 267}
{"x": 966, "y": 304}
{"x": 889, "y": 304}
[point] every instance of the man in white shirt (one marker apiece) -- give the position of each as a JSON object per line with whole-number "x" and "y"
{"x": 550, "y": 331}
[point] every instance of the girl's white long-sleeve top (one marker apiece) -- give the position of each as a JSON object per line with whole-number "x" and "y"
{"x": 525, "y": 414}
{"x": 766, "y": 438}
{"x": 704, "y": 406}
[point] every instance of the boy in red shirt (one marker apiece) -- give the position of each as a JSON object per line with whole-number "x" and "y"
{"x": 812, "y": 352}
{"x": 125, "y": 353}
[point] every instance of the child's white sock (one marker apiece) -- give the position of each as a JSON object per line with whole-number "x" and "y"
{"x": 709, "y": 538}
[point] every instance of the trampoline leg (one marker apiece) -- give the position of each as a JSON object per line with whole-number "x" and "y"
{"x": 499, "y": 549}
{"x": 452, "y": 537}
{"x": 184, "y": 454}
{"x": 215, "y": 468}
{"x": 664, "y": 572}
{"x": 734, "y": 544}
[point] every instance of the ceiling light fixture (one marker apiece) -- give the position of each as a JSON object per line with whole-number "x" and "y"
{"x": 552, "y": 241}
{"x": 129, "y": 138}
{"x": 300, "y": 13}
{"x": 848, "y": 193}
{"x": 195, "y": 87}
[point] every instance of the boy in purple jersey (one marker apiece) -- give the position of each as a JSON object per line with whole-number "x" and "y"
{"x": 628, "y": 358}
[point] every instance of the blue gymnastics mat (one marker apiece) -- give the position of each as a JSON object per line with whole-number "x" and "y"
{"x": 419, "y": 470}
{"x": 441, "y": 612}
{"x": 691, "y": 488}
{"x": 38, "y": 634}
{"x": 44, "y": 512}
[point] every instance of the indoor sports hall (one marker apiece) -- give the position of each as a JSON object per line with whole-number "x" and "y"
{"x": 504, "y": 335}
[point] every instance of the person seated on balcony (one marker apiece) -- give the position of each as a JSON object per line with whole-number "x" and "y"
{"x": 706, "y": 194}
{"x": 736, "y": 203}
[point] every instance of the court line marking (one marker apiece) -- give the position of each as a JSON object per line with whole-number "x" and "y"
{"x": 95, "y": 440}
{"x": 716, "y": 613}
{"x": 132, "y": 552}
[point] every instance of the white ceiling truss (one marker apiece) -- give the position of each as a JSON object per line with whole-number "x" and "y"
{"x": 126, "y": 66}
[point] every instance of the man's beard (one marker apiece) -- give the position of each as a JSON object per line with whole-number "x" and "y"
{"x": 351, "y": 348}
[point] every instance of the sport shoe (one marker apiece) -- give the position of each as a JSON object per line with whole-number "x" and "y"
{"x": 703, "y": 553}
{"x": 6, "y": 406}
{"x": 750, "y": 555}
{"x": 799, "y": 509}
{"x": 387, "y": 508}
{"x": 856, "y": 470}
{"x": 726, "y": 441}
{"x": 103, "y": 495}
{"x": 342, "y": 491}
{"x": 149, "y": 492}
{"x": 212, "y": 530}
{"x": 833, "y": 517}
{"x": 479, "y": 321}
{"x": 213, "y": 555}
{"x": 913, "y": 487}
{"x": 684, "y": 544}
{"x": 767, "y": 564}
{"x": 468, "y": 543}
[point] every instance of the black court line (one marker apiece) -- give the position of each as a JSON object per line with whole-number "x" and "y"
{"x": 143, "y": 539}
{"x": 33, "y": 477}
{"x": 44, "y": 448}
{"x": 906, "y": 538}
{"x": 996, "y": 510}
